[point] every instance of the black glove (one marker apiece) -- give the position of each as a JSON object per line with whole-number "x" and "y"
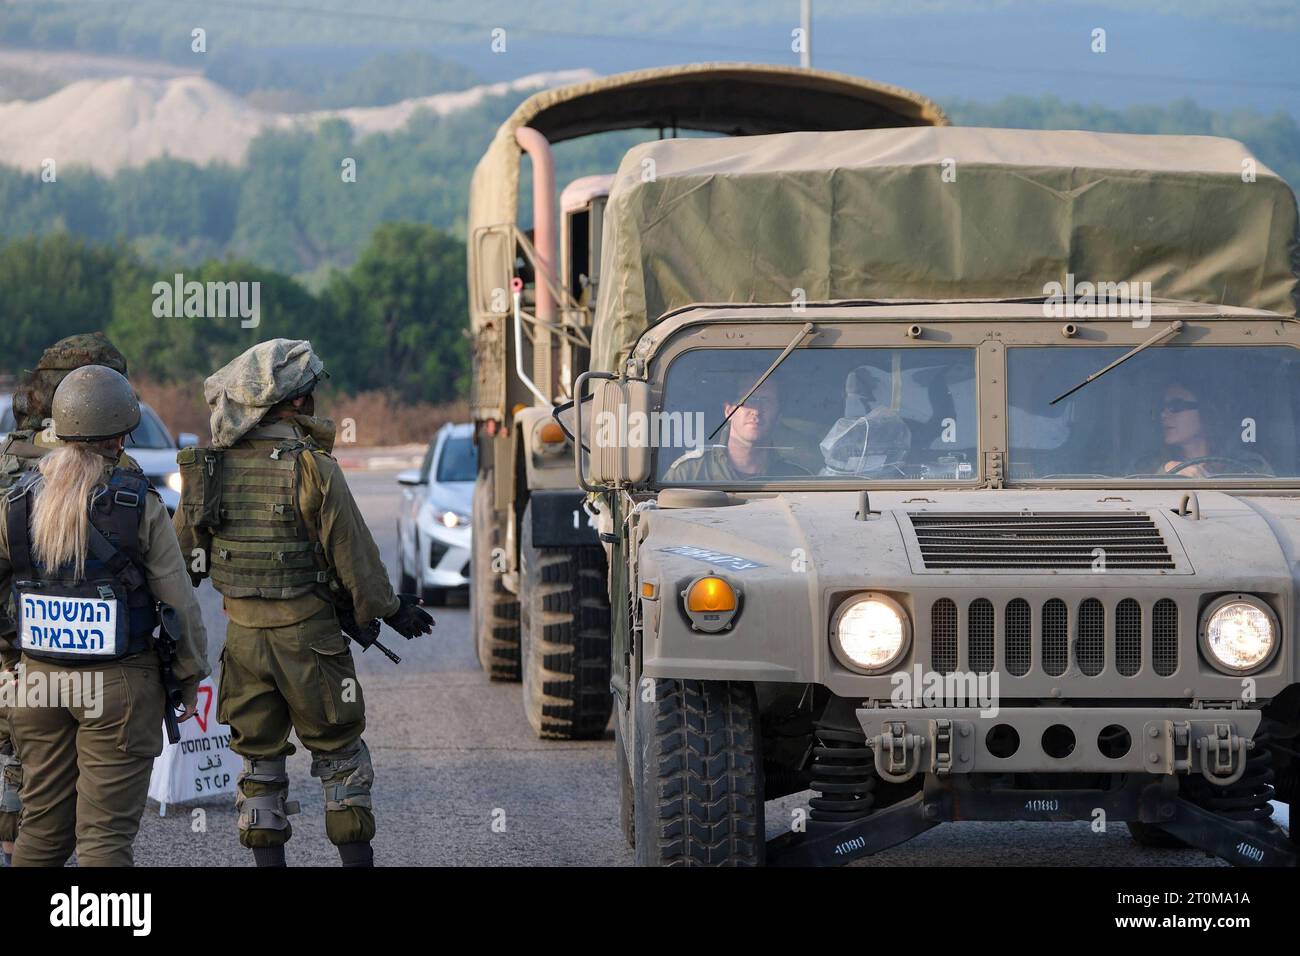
{"x": 410, "y": 620}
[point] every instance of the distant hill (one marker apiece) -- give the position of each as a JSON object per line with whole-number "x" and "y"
{"x": 111, "y": 124}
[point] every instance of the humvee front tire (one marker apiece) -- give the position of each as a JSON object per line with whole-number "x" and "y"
{"x": 698, "y": 775}
{"x": 564, "y": 638}
{"x": 494, "y": 611}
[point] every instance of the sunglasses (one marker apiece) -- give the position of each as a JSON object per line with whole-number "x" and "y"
{"x": 1177, "y": 405}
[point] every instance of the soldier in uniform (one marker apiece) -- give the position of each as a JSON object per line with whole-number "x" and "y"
{"x": 290, "y": 552}
{"x": 20, "y": 452}
{"x": 89, "y": 553}
{"x": 746, "y": 455}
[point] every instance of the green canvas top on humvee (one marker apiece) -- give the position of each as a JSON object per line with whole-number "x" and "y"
{"x": 938, "y": 213}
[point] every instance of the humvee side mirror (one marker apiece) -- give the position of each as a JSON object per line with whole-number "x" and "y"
{"x": 599, "y": 425}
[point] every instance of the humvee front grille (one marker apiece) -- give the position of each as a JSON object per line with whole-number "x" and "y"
{"x": 1093, "y": 636}
{"x": 1107, "y": 541}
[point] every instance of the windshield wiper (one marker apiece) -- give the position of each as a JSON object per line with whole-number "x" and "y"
{"x": 1173, "y": 329}
{"x": 807, "y": 330}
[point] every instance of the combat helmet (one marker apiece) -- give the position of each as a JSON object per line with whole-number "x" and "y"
{"x": 93, "y": 403}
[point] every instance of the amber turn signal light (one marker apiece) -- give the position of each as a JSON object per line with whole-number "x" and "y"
{"x": 711, "y": 595}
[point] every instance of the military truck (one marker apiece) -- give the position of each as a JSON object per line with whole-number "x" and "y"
{"x": 948, "y": 474}
{"x": 540, "y": 609}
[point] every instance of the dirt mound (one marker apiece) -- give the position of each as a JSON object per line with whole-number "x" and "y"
{"x": 109, "y": 124}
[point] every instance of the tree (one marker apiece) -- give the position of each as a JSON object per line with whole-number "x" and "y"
{"x": 396, "y": 318}
{"x": 53, "y": 287}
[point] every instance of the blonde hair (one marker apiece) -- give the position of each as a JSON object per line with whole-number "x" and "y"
{"x": 61, "y": 512}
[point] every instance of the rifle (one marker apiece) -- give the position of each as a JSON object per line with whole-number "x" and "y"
{"x": 367, "y": 636}
{"x": 165, "y": 646}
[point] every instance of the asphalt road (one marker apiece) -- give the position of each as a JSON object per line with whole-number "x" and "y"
{"x": 461, "y": 780}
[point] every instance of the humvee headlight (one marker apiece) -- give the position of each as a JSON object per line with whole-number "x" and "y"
{"x": 711, "y": 603}
{"x": 870, "y": 633}
{"x": 1239, "y": 633}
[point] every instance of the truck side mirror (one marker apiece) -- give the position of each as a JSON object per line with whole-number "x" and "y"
{"x": 617, "y": 451}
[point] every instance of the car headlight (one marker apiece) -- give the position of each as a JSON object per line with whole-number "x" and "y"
{"x": 431, "y": 516}
{"x": 450, "y": 519}
{"x": 870, "y": 633}
{"x": 174, "y": 482}
{"x": 1239, "y": 633}
{"x": 710, "y": 603}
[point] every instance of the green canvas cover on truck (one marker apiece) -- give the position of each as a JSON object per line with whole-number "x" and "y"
{"x": 735, "y": 99}
{"x": 938, "y": 213}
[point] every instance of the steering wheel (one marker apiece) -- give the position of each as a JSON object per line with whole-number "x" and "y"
{"x": 1248, "y": 467}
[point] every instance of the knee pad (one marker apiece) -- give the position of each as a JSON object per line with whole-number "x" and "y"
{"x": 346, "y": 776}
{"x": 264, "y": 812}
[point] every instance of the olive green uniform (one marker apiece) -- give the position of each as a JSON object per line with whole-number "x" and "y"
{"x": 286, "y": 665}
{"x": 19, "y": 453}
{"x": 714, "y": 464}
{"x": 86, "y": 771}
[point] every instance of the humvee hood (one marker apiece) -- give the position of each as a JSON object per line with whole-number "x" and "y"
{"x": 806, "y": 541}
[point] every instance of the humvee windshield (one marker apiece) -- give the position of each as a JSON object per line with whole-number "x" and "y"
{"x": 885, "y": 414}
{"x": 912, "y": 414}
{"x": 1170, "y": 412}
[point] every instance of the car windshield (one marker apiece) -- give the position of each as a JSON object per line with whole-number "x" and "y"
{"x": 458, "y": 461}
{"x": 150, "y": 433}
{"x": 1176, "y": 412}
{"x": 842, "y": 414}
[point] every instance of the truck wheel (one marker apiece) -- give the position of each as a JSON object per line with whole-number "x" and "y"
{"x": 1154, "y": 837}
{"x": 626, "y": 801}
{"x": 494, "y": 611}
{"x": 698, "y": 775}
{"x": 564, "y": 634}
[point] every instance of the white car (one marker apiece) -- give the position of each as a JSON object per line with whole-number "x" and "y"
{"x": 433, "y": 525}
{"x": 150, "y": 445}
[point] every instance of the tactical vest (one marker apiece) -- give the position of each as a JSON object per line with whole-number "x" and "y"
{"x": 108, "y": 614}
{"x": 262, "y": 547}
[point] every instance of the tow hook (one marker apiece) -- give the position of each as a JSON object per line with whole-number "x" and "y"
{"x": 897, "y": 753}
{"x": 1223, "y": 756}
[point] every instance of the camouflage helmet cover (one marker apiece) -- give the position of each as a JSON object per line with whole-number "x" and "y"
{"x": 34, "y": 397}
{"x": 271, "y": 372}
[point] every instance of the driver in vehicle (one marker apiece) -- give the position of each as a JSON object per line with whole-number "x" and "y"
{"x": 746, "y": 455}
{"x": 1194, "y": 446}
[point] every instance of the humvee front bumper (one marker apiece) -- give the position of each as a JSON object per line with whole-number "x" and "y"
{"x": 1158, "y": 740}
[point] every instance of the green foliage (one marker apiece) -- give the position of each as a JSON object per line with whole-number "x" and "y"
{"x": 54, "y": 287}
{"x": 393, "y": 322}
{"x": 406, "y": 298}
{"x": 187, "y": 349}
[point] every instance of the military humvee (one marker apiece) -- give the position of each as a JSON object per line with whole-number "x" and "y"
{"x": 538, "y": 598}
{"x": 948, "y": 474}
